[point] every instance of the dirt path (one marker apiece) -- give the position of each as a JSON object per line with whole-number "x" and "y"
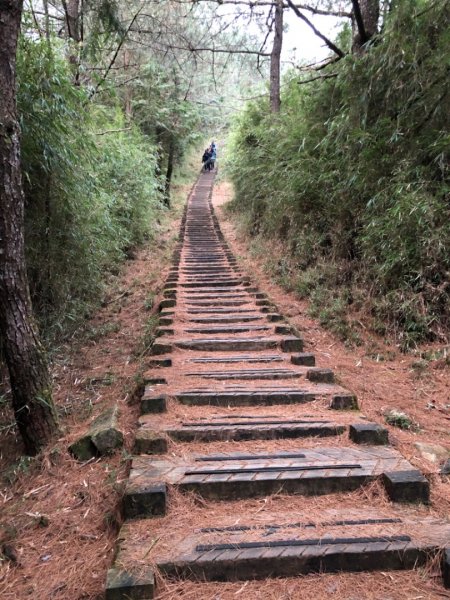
{"x": 247, "y": 470}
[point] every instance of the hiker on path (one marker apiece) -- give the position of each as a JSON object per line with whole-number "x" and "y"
{"x": 213, "y": 157}
{"x": 206, "y": 159}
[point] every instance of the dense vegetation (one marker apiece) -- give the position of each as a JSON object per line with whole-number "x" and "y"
{"x": 93, "y": 189}
{"x": 90, "y": 194}
{"x": 352, "y": 176}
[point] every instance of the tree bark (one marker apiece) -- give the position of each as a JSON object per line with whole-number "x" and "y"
{"x": 365, "y": 22}
{"x": 25, "y": 358}
{"x": 169, "y": 172}
{"x": 72, "y": 10}
{"x": 275, "y": 59}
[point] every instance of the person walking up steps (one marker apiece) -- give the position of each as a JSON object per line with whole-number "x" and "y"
{"x": 213, "y": 157}
{"x": 206, "y": 159}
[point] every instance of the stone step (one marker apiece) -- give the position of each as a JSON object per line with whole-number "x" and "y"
{"x": 351, "y": 540}
{"x": 227, "y": 344}
{"x": 218, "y": 310}
{"x": 219, "y": 302}
{"x": 231, "y": 318}
{"x": 251, "y": 428}
{"x": 345, "y": 540}
{"x": 251, "y": 374}
{"x": 314, "y": 471}
{"x": 223, "y": 291}
{"x": 218, "y": 329}
{"x": 248, "y": 358}
{"x": 246, "y": 397}
{"x": 201, "y": 283}
{"x": 232, "y": 344}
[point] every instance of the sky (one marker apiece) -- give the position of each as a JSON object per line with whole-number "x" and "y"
{"x": 300, "y": 41}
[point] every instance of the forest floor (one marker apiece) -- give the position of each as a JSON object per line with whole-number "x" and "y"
{"x": 382, "y": 377}
{"x": 59, "y": 517}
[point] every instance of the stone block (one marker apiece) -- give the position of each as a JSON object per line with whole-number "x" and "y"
{"x": 103, "y": 437}
{"x": 151, "y": 379}
{"x": 83, "y": 448}
{"x": 165, "y": 321}
{"x": 167, "y": 303}
{"x": 344, "y": 402}
{"x": 160, "y": 331}
{"x": 291, "y": 344}
{"x": 369, "y": 433}
{"x": 445, "y": 470}
{"x": 153, "y": 404}
{"x": 161, "y": 347}
{"x": 148, "y": 441}
{"x": 320, "y": 375}
{"x": 274, "y": 317}
{"x": 159, "y": 362}
{"x": 145, "y": 501}
{"x": 122, "y": 585}
{"x": 283, "y": 329}
{"x": 304, "y": 359}
{"x": 170, "y": 293}
{"x": 407, "y": 486}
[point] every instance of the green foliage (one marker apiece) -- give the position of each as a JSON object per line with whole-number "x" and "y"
{"x": 90, "y": 185}
{"x": 399, "y": 419}
{"x": 353, "y": 174}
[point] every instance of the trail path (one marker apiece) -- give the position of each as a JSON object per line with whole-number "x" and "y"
{"x": 251, "y": 462}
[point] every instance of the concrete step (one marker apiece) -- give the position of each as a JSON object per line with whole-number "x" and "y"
{"x": 308, "y": 471}
{"x": 254, "y": 396}
{"x": 250, "y": 374}
{"x": 252, "y": 428}
{"x": 231, "y": 318}
{"x": 248, "y": 358}
{"x": 342, "y": 540}
{"x": 218, "y": 329}
{"x": 239, "y": 344}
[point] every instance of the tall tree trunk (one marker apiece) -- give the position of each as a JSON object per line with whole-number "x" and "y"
{"x": 25, "y": 357}
{"x": 275, "y": 59}
{"x": 169, "y": 172}
{"x": 365, "y": 22}
{"x": 128, "y": 90}
{"x": 72, "y": 10}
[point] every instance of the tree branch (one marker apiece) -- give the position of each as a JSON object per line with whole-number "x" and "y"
{"x": 328, "y": 42}
{"x": 113, "y": 60}
{"x": 324, "y": 76}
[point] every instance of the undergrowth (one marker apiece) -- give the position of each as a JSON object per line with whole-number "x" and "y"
{"x": 352, "y": 179}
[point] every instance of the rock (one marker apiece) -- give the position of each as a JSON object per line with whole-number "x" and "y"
{"x": 433, "y": 452}
{"x": 121, "y": 584}
{"x": 83, "y": 448}
{"x": 368, "y": 433}
{"x": 446, "y": 467}
{"x": 102, "y": 437}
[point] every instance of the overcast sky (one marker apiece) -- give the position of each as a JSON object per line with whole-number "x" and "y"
{"x": 301, "y": 38}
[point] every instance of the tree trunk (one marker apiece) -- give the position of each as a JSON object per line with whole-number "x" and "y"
{"x": 72, "y": 10}
{"x": 128, "y": 89}
{"x": 275, "y": 59}
{"x": 365, "y": 22}
{"x": 25, "y": 357}
{"x": 169, "y": 172}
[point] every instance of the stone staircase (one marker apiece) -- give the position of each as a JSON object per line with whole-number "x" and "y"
{"x": 234, "y": 409}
